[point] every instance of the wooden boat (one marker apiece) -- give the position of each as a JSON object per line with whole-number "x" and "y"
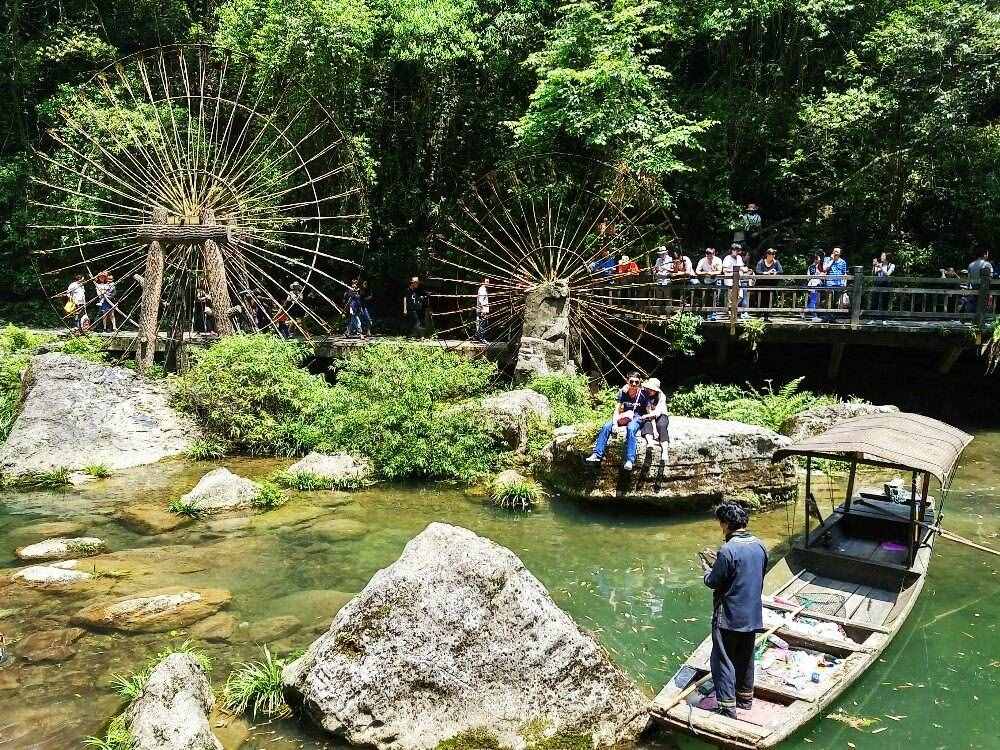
{"x": 857, "y": 574}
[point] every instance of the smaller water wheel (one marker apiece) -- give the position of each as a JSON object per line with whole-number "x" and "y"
{"x": 547, "y": 235}
{"x": 218, "y": 197}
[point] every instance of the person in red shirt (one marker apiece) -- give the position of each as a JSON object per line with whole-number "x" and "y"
{"x": 627, "y": 267}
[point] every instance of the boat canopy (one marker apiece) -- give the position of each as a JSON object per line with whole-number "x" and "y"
{"x": 897, "y": 440}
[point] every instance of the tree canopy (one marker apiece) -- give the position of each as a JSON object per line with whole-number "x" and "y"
{"x": 872, "y": 124}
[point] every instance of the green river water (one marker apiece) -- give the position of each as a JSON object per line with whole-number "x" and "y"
{"x": 630, "y": 578}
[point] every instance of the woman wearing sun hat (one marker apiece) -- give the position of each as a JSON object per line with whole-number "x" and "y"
{"x": 655, "y": 420}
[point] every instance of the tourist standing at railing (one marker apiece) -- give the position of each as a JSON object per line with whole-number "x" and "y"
{"x": 977, "y": 268}
{"x": 733, "y": 261}
{"x": 709, "y": 272}
{"x": 836, "y": 278}
{"x": 769, "y": 265}
{"x": 682, "y": 272}
{"x": 816, "y": 276}
{"x": 482, "y": 309}
{"x": 662, "y": 272}
{"x": 883, "y": 269}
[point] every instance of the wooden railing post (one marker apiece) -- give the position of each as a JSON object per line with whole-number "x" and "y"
{"x": 734, "y": 300}
{"x": 856, "y": 291}
{"x": 981, "y": 300}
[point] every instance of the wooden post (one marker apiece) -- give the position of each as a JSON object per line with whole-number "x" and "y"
{"x": 856, "y": 291}
{"x": 850, "y": 485}
{"x": 809, "y": 467}
{"x": 914, "y": 529}
{"x": 734, "y": 300}
{"x": 981, "y": 300}
{"x": 836, "y": 357}
{"x": 215, "y": 273}
{"x": 152, "y": 288}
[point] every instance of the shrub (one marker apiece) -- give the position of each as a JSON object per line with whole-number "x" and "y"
{"x": 16, "y": 346}
{"x": 682, "y": 334}
{"x": 87, "y": 346}
{"x": 98, "y": 471}
{"x": 183, "y": 507}
{"x": 269, "y": 497}
{"x": 770, "y": 408}
{"x": 391, "y": 404}
{"x": 306, "y": 481}
{"x": 705, "y": 401}
{"x": 208, "y": 449}
{"x": 256, "y": 686}
{"x": 520, "y": 495}
{"x": 569, "y": 396}
{"x": 251, "y": 390}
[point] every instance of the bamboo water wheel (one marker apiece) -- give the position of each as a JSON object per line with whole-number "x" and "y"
{"x": 219, "y": 195}
{"x": 549, "y": 228}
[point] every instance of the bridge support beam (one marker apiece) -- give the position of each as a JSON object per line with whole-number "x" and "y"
{"x": 722, "y": 350}
{"x": 836, "y": 357}
{"x": 949, "y": 358}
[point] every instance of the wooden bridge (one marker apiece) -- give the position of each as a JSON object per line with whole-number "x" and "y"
{"x": 941, "y": 316}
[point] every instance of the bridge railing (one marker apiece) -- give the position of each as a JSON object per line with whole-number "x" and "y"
{"x": 851, "y": 298}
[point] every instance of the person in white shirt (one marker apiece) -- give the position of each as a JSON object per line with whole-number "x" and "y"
{"x": 482, "y": 309}
{"x": 883, "y": 268}
{"x": 656, "y": 422}
{"x": 76, "y": 293}
{"x": 731, "y": 262}
{"x": 663, "y": 267}
{"x": 709, "y": 270}
{"x": 104, "y": 285}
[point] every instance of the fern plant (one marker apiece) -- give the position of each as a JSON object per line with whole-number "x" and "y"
{"x": 770, "y": 408}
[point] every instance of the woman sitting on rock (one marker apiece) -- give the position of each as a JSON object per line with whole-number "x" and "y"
{"x": 655, "y": 420}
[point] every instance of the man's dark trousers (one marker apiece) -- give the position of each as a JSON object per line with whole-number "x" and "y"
{"x": 732, "y": 666}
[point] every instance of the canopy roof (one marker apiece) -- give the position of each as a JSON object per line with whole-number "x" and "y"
{"x": 900, "y": 440}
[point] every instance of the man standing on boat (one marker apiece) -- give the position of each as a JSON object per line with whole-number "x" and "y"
{"x": 737, "y": 580}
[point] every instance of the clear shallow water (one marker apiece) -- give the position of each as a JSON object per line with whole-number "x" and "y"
{"x": 631, "y": 579}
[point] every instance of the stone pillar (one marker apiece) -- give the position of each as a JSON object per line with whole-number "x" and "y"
{"x": 546, "y": 337}
{"x": 152, "y": 288}
{"x": 215, "y": 274}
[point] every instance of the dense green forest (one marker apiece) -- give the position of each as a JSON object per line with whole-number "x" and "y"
{"x": 872, "y": 124}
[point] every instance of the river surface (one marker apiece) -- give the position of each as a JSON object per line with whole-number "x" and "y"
{"x": 630, "y": 578}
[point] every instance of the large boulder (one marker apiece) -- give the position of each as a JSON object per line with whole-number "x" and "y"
{"x": 221, "y": 491}
{"x": 339, "y": 469}
{"x": 545, "y": 344}
{"x": 514, "y": 411}
{"x": 821, "y": 418}
{"x": 78, "y": 413}
{"x": 153, "y": 611}
{"x": 52, "y": 575}
{"x": 710, "y": 461}
{"x": 62, "y": 548}
{"x": 171, "y": 712}
{"x": 456, "y": 637}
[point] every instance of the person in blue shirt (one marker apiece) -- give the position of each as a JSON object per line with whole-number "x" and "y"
{"x": 627, "y": 414}
{"x": 736, "y": 578}
{"x": 835, "y": 268}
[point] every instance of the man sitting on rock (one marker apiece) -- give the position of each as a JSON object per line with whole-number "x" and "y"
{"x": 736, "y": 577}
{"x": 625, "y": 416}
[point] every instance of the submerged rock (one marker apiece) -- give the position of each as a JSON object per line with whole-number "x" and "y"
{"x": 513, "y": 412}
{"x": 221, "y": 491}
{"x": 821, "y": 418}
{"x": 62, "y": 548}
{"x": 36, "y": 532}
{"x": 54, "y": 575}
{"x": 152, "y": 519}
{"x": 271, "y": 629}
{"x": 171, "y": 712}
{"x": 339, "y": 468}
{"x": 312, "y": 605}
{"x": 218, "y": 627}
{"x": 710, "y": 460}
{"x": 50, "y": 645}
{"x": 153, "y": 611}
{"x": 455, "y": 636}
{"x": 339, "y": 529}
{"x": 78, "y": 413}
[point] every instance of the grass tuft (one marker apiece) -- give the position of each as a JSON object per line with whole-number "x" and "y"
{"x": 118, "y": 736}
{"x": 521, "y": 495}
{"x": 477, "y": 738}
{"x": 208, "y": 449}
{"x": 38, "y": 480}
{"x": 256, "y": 687}
{"x": 269, "y": 497}
{"x": 183, "y": 507}
{"x": 98, "y": 471}
{"x": 306, "y": 481}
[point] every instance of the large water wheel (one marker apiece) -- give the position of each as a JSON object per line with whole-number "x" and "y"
{"x": 219, "y": 196}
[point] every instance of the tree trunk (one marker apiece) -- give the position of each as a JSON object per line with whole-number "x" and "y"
{"x": 215, "y": 273}
{"x": 149, "y": 314}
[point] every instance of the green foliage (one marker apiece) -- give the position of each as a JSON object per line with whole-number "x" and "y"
{"x": 520, "y": 495}
{"x": 269, "y": 497}
{"x": 477, "y": 738}
{"x": 130, "y": 686}
{"x": 98, "y": 471}
{"x": 569, "y": 397}
{"x": 395, "y": 404}
{"x": 306, "y": 481}
{"x": 770, "y": 408}
{"x": 16, "y": 347}
{"x": 256, "y": 687}
{"x": 38, "y": 480}
{"x": 752, "y": 331}
{"x": 182, "y": 507}
{"x": 682, "y": 333}
{"x": 252, "y": 391}
{"x": 118, "y": 736}
{"x": 88, "y": 347}
{"x": 704, "y": 401}
{"x": 208, "y": 449}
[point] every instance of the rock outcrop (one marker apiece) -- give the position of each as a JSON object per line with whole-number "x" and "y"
{"x": 171, "y": 712}
{"x": 53, "y": 575}
{"x": 146, "y": 518}
{"x": 153, "y": 611}
{"x": 221, "y": 491}
{"x": 62, "y": 548}
{"x": 340, "y": 469}
{"x": 513, "y": 412}
{"x": 821, "y": 418}
{"x": 49, "y": 645}
{"x": 545, "y": 346}
{"x": 458, "y": 636}
{"x": 709, "y": 461}
{"x": 78, "y": 413}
